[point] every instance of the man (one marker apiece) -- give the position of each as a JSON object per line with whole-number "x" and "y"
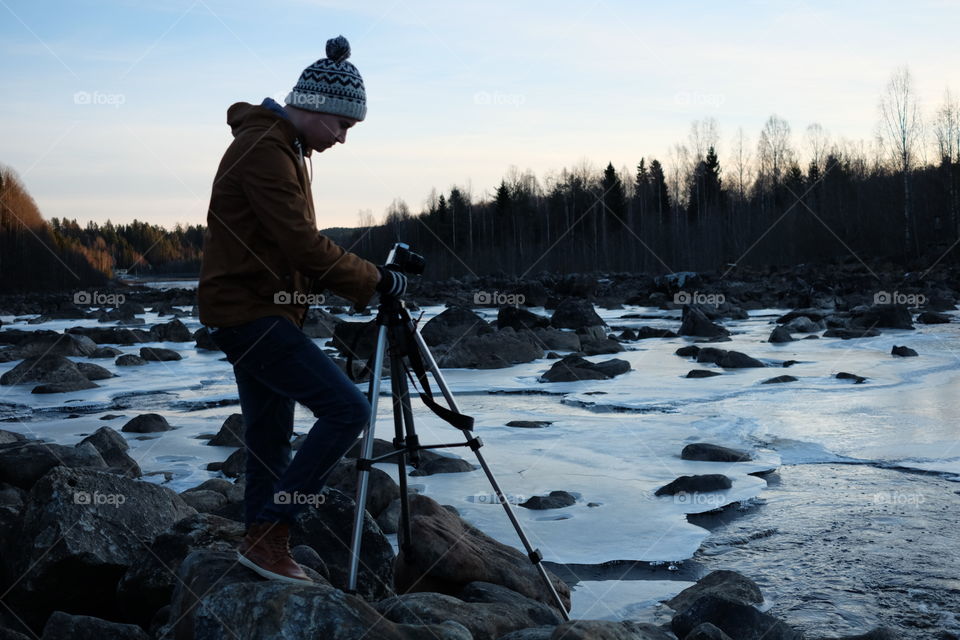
{"x": 262, "y": 260}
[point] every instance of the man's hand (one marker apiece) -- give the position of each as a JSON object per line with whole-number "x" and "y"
{"x": 391, "y": 282}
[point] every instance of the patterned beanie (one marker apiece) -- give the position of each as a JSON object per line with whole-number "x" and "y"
{"x": 331, "y": 84}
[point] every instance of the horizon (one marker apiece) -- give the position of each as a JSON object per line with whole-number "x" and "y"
{"x": 102, "y": 100}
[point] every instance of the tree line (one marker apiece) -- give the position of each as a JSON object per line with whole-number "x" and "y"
{"x": 775, "y": 201}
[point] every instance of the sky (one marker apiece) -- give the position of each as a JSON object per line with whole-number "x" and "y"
{"x": 117, "y": 109}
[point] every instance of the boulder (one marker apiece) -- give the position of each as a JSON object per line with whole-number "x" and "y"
{"x": 113, "y": 449}
{"x": 933, "y": 317}
{"x": 49, "y": 369}
{"x": 726, "y": 584}
{"x": 555, "y": 500}
{"x": 780, "y": 334}
{"x": 713, "y": 453}
{"x": 452, "y": 325}
{"x": 573, "y": 313}
{"x": 358, "y": 339}
{"x": 695, "y": 323}
{"x": 130, "y": 360}
{"x": 146, "y": 423}
{"x": 702, "y": 373}
{"x": 447, "y": 554}
{"x": 903, "y": 351}
{"x": 173, "y": 331}
{"x": 520, "y": 319}
{"x": 231, "y": 432}
{"x": 884, "y": 316}
{"x": 737, "y": 620}
{"x": 779, "y": 379}
{"x": 82, "y": 529}
{"x": 25, "y": 462}
{"x": 489, "y": 351}
{"x": 63, "y": 625}
{"x": 699, "y": 483}
{"x": 572, "y": 368}
{"x": 158, "y": 354}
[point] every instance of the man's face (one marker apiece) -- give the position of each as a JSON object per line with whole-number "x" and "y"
{"x": 323, "y": 130}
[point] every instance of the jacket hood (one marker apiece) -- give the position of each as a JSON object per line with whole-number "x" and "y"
{"x": 244, "y": 117}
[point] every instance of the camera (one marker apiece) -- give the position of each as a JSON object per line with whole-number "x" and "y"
{"x": 405, "y": 261}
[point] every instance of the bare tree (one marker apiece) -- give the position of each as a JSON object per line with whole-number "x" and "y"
{"x": 900, "y": 131}
{"x": 703, "y": 135}
{"x": 946, "y": 128}
{"x": 741, "y": 163}
{"x": 817, "y": 141}
{"x": 773, "y": 149}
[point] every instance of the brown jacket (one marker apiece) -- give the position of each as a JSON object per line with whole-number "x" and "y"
{"x": 262, "y": 253}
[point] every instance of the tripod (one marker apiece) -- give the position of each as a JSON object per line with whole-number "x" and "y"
{"x": 394, "y": 324}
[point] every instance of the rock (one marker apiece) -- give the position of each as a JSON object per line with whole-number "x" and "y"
{"x": 82, "y": 529}
{"x": 319, "y": 323}
{"x": 689, "y": 351}
{"x": 710, "y": 354}
{"x": 112, "y": 335}
{"x": 695, "y": 323}
{"x": 628, "y": 334}
{"x": 484, "y": 620}
{"x": 555, "y": 500}
{"x": 148, "y": 585}
{"x": 572, "y": 368}
{"x": 713, "y": 453}
{"x": 233, "y": 492}
{"x": 520, "y": 319}
{"x": 699, "y": 483}
{"x": 448, "y": 553}
{"x": 814, "y": 315}
{"x": 204, "y": 501}
{"x": 389, "y": 518}
{"x": 146, "y": 423}
{"x": 94, "y": 372}
{"x": 63, "y": 387}
{"x": 490, "y": 351}
{"x": 358, "y": 339}
{"x": 50, "y": 369}
{"x": 204, "y": 341}
{"x": 933, "y": 317}
{"x": 217, "y": 598}
{"x": 644, "y": 333}
{"x": 737, "y": 620}
{"x": 173, "y": 331}
{"x": 737, "y": 360}
{"x": 53, "y": 343}
{"x": 130, "y": 360}
{"x": 779, "y": 335}
{"x": 327, "y": 528}
{"x": 779, "y": 379}
{"x": 10, "y": 437}
{"x": 843, "y": 375}
{"x": 573, "y": 313}
{"x": 884, "y": 316}
{"x": 159, "y": 355}
{"x": 24, "y": 463}
{"x": 903, "y": 351}
{"x": 594, "y": 341}
{"x": 453, "y": 324}
{"x": 803, "y": 324}
{"x": 529, "y": 424}
{"x": 105, "y": 352}
{"x": 63, "y": 625}
{"x": 879, "y": 633}
{"x": 608, "y": 630}
{"x": 443, "y": 465}
{"x": 706, "y": 631}
{"x": 113, "y": 449}
{"x": 848, "y": 334}
{"x": 702, "y": 373}
{"x": 231, "y": 432}
{"x": 556, "y": 339}
{"x": 235, "y": 465}
{"x": 725, "y": 584}
{"x": 381, "y": 488}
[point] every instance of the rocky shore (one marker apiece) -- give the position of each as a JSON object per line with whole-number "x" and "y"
{"x": 89, "y": 547}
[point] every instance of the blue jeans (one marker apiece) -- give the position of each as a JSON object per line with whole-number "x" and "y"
{"x": 276, "y": 365}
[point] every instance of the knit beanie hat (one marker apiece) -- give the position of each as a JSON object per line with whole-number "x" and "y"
{"x": 331, "y": 84}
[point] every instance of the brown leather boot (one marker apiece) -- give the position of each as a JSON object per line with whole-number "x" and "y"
{"x": 266, "y": 549}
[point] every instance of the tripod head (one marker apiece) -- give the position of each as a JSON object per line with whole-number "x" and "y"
{"x": 402, "y": 259}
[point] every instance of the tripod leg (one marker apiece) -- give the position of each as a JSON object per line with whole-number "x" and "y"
{"x": 400, "y": 400}
{"x": 534, "y": 554}
{"x": 366, "y": 453}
